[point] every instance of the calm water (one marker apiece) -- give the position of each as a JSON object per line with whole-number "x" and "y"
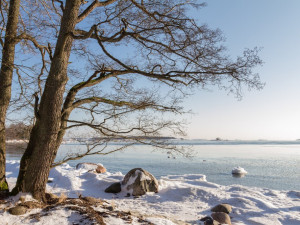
{"x": 274, "y": 165}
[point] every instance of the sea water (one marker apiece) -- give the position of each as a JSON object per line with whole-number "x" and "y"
{"x": 270, "y": 164}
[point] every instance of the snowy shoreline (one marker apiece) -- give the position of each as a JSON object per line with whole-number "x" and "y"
{"x": 182, "y": 199}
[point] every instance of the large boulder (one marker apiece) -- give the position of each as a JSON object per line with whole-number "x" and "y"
{"x": 138, "y": 181}
{"x": 91, "y": 167}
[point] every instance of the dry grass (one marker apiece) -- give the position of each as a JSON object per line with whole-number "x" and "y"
{"x": 92, "y": 210}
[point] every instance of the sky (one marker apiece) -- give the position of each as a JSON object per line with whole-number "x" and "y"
{"x": 274, "y": 112}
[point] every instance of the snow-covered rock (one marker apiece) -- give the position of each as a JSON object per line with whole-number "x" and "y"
{"x": 138, "y": 181}
{"x": 238, "y": 170}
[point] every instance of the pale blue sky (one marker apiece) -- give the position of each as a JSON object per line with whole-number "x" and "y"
{"x": 274, "y": 112}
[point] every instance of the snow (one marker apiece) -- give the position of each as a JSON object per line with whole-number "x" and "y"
{"x": 182, "y": 199}
{"x": 125, "y": 188}
{"x": 143, "y": 176}
{"x": 88, "y": 166}
{"x": 16, "y": 141}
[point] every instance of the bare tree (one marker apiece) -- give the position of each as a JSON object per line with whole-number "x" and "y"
{"x": 16, "y": 28}
{"x": 20, "y": 131}
{"x": 135, "y": 60}
{"x": 7, "y": 66}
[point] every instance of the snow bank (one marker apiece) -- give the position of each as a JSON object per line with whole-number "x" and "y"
{"x": 182, "y": 199}
{"x": 88, "y": 166}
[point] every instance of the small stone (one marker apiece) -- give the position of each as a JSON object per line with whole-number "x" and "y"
{"x": 221, "y": 217}
{"x": 17, "y": 210}
{"x": 114, "y": 188}
{"x": 100, "y": 169}
{"x": 209, "y": 221}
{"x": 226, "y": 208}
{"x": 110, "y": 208}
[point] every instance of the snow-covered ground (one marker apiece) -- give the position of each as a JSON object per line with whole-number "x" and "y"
{"x": 182, "y": 199}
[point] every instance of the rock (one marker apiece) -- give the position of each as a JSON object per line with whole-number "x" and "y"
{"x": 17, "y": 210}
{"x": 100, "y": 169}
{"x": 221, "y": 217}
{"x": 114, "y": 188}
{"x": 226, "y": 208}
{"x": 91, "y": 167}
{"x": 138, "y": 181}
{"x": 239, "y": 170}
{"x": 209, "y": 221}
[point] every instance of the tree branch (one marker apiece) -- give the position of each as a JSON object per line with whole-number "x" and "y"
{"x": 93, "y": 6}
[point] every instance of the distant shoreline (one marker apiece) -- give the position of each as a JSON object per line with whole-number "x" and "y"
{"x": 173, "y": 141}
{"x": 16, "y": 141}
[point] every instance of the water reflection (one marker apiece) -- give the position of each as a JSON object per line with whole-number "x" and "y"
{"x": 238, "y": 175}
{"x": 15, "y": 151}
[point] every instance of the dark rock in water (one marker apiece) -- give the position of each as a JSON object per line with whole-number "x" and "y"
{"x": 139, "y": 181}
{"x": 226, "y": 208}
{"x": 221, "y": 217}
{"x": 17, "y": 210}
{"x": 114, "y": 188}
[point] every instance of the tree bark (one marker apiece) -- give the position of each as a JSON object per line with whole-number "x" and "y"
{"x": 7, "y": 66}
{"x": 42, "y": 146}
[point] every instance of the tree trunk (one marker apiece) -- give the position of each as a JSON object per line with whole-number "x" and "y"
{"x": 42, "y": 146}
{"x": 8, "y": 57}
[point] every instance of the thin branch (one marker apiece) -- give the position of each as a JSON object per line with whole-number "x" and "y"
{"x": 93, "y": 6}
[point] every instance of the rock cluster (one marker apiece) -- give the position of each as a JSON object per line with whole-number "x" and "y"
{"x": 219, "y": 215}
